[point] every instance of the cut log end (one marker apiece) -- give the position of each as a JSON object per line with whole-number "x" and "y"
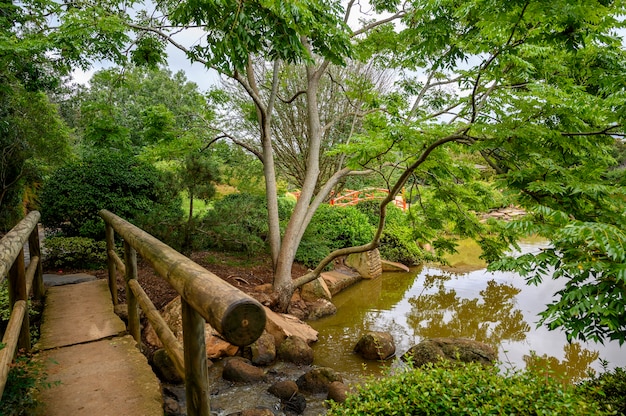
{"x": 243, "y": 322}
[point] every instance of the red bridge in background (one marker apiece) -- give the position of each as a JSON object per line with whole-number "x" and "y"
{"x": 350, "y": 197}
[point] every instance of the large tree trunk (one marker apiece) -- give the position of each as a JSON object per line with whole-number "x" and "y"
{"x": 300, "y": 218}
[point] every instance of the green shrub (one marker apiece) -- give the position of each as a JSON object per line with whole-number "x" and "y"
{"x": 237, "y": 222}
{"x": 609, "y": 389}
{"x": 468, "y": 389}
{"x": 131, "y": 189}
{"x": 397, "y": 242}
{"x": 332, "y": 228}
{"x": 74, "y": 252}
{"x": 26, "y": 378}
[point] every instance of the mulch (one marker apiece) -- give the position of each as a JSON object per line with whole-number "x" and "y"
{"x": 242, "y": 272}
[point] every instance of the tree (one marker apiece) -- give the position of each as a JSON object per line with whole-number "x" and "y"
{"x": 518, "y": 83}
{"x": 143, "y": 110}
{"x": 35, "y": 54}
{"x": 197, "y": 175}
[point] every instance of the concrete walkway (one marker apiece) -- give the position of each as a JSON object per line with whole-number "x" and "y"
{"x": 94, "y": 367}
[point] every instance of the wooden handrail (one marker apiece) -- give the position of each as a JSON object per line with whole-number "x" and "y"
{"x": 21, "y": 280}
{"x": 204, "y": 297}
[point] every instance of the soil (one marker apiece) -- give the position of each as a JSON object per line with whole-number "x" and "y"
{"x": 243, "y": 272}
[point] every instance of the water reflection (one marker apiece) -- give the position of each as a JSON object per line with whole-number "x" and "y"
{"x": 496, "y": 308}
{"x": 574, "y": 367}
{"x": 491, "y": 318}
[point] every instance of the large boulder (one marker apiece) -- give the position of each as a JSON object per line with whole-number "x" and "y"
{"x": 368, "y": 264}
{"x": 376, "y": 345}
{"x": 295, "y": 350}
{"x": 320, "y": 309}
{"x": 316, "y": 289}
{"x": 216, "y": 346}
{"x": 263, "y": 350}
{"x": 240, "y": 370}
{"x": 318, "y": 380}
{"x": 337, "y": 280}
{"x": 453, "y": 349}
{"x": 337, "y": 392}
{"x": 284, "y": 389}
{"x": 282, "y": 326}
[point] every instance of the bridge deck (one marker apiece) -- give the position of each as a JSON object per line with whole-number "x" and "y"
{"x": 96, "y": 369}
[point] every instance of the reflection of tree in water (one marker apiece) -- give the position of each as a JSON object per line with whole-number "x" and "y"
{"x": 574, "y": 367}
{"x": 492, "y": 318}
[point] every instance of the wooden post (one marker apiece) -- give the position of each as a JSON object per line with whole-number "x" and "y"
{"x": 196, "y": 367}
{"x": 237, "y": 316}
{"x": 35, "y": 251}
{"x": 17, "y": 291}
{"x": 130, "y": 258}
{"x": 110, "y": 239}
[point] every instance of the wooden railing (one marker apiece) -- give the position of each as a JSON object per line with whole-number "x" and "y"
{"x": 204, "y": 297}
{"x": 21, "y": 281}
{"x": 350, "y": 197}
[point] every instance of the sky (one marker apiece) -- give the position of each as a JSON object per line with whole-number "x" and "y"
{"x": 177, "y": 61}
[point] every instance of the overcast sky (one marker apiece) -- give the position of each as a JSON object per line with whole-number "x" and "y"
{"x": 177, "y": 61}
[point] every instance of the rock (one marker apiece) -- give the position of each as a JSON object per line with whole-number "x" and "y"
{"x": 174, "y": 400}
{"x": 318, "y": 380}
{"x": 295, "y": 350}
{"x": 461, "y": 349}
{"x": 164, "y": 367}
{"x": 281, "y": 326}
{"x": 367, "y": 264}
{"x": 239, "y": 370}
{"x": 317, "y": 289}
{"x": 337, "y": 391}
{"x": 263, "y": 350}
{"x": 261, "y": 411}
{"x": 337, "y": 281}
{"x": 284, "y": 390}
{"x": 392, "y": 266}
{"x": 298, "y": 307}
{"x": 295, "y": 404}
{"x": 216, "y": 346}
{"x": 321, "y": 308}
{"x": 376, "y": 346}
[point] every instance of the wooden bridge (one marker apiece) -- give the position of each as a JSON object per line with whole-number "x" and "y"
{"x": 93, "y": 361}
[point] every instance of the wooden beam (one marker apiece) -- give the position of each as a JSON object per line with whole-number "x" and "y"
{"x": 10, "y": 341}
{"x": 13, "y": 242}
{"x": 235, "y": 315}
{"x": 165, "y": 334}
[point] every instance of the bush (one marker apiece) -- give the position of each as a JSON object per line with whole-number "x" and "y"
{"x": 25, "y": 379}
{"x": 129, "y": 188}
{"x": 609, "y": 389}
{"x": 237, "y": 222}
{"x": 396, "y": 242}
{"x": 466, "y": 389}
{"x": 333, "y": 228}
{"x": 74, "y": 252}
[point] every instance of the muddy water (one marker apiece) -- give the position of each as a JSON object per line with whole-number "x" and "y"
{"x": 461, "y": 301}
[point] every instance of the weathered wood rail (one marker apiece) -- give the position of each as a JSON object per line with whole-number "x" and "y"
{"x": 204, "y": 297}
{"x": 21, "y": 281}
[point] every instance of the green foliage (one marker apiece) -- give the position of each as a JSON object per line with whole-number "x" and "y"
{"x": 466, "y": 389}
{"x": 237, "y": 222}
{"x": 608, "y": 389}
{"x": 132, "y": 189}
{"x": 271, "y": 29}
{"x": 397, "y": 242}
{"x": 74, "y": 253}
{"x": 26, "y": 378}
{"x": 332, "y": 228}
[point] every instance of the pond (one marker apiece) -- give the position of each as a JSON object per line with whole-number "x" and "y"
{"x": 460, "y": 301}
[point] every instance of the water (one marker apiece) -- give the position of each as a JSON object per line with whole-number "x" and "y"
{"x": 467, "y": 301}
